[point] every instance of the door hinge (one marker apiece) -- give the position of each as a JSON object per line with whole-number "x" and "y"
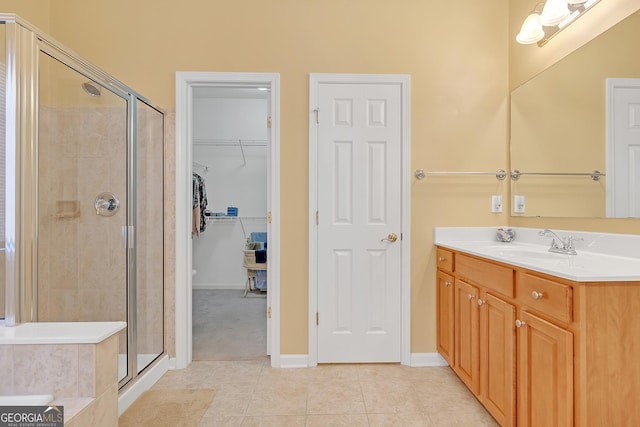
{"x": 269, "y": 122}
{"x": 317, "y": 218}
{"x": 317, "y": 318}
{"x": 269, "y": 312}
{"x": 400, "y": 236}
{"x": 269, "y": 217}
{"x": 317, "y": 111}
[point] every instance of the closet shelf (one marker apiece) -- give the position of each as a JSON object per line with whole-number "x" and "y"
{"x": 233, "y": 143}
{"x": 233, "y": 218}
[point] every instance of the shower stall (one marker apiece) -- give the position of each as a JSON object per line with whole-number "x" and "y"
{"x": 82, "y": 197}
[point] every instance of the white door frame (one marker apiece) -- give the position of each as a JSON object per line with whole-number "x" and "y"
{"x": 185, "y": 82}
{"x": 393, "y": 79}
{"x": 612, "y": 191}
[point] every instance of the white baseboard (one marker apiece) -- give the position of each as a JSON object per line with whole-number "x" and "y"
{"x": 218, "y": 286}
{"x": 142, "y": 384}
{"x": 418, "y": 360}
{"x": 427, "y": 359}
{"x": 294, "y": 361}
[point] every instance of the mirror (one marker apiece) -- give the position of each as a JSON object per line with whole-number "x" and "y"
{"x": 558, "y": 125}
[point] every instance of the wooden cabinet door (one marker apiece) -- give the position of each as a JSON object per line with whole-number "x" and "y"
{"x": 545, "y": 373}
{"x": 498, "y": 359}
{"x": 467, "y": 328}
{"x": 445, "y": 316}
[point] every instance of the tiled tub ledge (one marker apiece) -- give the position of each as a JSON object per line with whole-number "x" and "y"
{"x": 81, "y": 365}
{"x": 59, "y": 332}
{"x": 601, "y": 257}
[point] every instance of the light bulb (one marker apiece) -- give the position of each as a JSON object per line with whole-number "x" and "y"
{"x": 554, "y": 12}
{"x": 531, "y": 31}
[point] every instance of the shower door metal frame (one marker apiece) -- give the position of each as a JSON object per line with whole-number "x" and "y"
{"x": 24, "y": 44}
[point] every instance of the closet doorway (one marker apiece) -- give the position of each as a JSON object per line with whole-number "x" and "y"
{"x": 226, "y": 154}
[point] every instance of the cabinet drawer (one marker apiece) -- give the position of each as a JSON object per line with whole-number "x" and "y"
{"x": 444, "y": 259}
{"x": 486, "y": 274}
{"x": 546, "y": 296}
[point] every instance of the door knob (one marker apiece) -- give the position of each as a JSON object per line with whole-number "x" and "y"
{"x": 392, "y": 237}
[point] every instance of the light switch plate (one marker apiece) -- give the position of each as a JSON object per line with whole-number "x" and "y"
{"x": 496, "y": 203}
{"x": 518, "y": 204}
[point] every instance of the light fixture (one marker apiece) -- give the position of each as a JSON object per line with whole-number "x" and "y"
{"x": 531, "y": 31}
{"x": 548, "y": 19}
{"x": 554, "y": 12}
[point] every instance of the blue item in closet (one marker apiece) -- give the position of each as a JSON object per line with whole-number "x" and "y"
{"x": 261, "y": 280}
{"x": 261, "y": 256}
{"x": 232, "y": 211}
{"x": 259, "y": 236}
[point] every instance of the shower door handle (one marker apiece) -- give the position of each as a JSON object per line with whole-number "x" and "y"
{"x": 128, "y": 236}
{"x": 106, "y": 204}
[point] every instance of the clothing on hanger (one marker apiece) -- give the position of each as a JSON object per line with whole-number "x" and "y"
{"x": 199, "y": 205}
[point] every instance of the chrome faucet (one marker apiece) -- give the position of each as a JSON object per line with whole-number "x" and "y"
{"x": 560, "y": 245}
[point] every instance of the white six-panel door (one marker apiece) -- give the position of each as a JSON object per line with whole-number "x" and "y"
{"x": 359, "y": 192}
{"x": 623, "y": 148}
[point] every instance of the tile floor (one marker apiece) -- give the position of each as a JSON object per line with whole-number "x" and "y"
{"x": 251, "y": 393}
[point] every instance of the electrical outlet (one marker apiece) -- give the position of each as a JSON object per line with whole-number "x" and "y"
{"x": 496, "y": 203}
{"x": 518, "y": 204}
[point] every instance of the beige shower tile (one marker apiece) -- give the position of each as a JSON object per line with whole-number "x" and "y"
{"x": 86, "y": 370}
{"x": 389, "y": 397}
{"x": 106, "y": 364}
{"x": 353, "y": 420}
{"x": 6, "y": 369}
{"x": 50, "y": 368}
{"x": 335, "y": 397}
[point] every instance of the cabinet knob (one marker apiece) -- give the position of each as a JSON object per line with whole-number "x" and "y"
{"x": 520, "y": 323}
{"x": 447, "y": 284}
{"x": 470, "y": 297}
{"x": 537, "y": 295}
{"x": 440, "y": 258}
{"x": 480, "y": 302}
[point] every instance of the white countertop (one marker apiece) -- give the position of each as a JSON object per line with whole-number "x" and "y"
{"x": 602, "y": 257}
{"x": 59, "y": 332}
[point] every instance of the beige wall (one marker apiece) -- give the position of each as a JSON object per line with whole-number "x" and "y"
{"x": 458, "y": 64}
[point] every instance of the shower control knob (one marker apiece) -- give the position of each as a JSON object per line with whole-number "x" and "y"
{"x": 106, "y": 204}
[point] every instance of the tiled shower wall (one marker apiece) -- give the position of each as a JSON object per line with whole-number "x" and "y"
{"x": 82, "y": 260}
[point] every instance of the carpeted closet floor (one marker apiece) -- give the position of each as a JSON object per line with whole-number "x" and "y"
{"x": 227, "y": 326}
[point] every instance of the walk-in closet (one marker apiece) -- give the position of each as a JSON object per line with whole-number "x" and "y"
{"x": 229, "y": 235}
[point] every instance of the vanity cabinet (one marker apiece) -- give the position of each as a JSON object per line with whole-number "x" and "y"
{"x": 485, "y": 336}
{"x": 545, "y": 373}
{"x": 539, "y": 350}
{"x": 445, "y": 314}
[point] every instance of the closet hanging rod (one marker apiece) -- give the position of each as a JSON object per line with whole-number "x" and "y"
{"x": 201, "y": 166}
{"x": 500, "y": 174}
{"x": 595, "y": 175}
{"x": 231, "y": 142}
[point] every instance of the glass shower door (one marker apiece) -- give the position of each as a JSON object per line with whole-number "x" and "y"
{"x": 149, "y": 234}
{"x": 82, "y": 201}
